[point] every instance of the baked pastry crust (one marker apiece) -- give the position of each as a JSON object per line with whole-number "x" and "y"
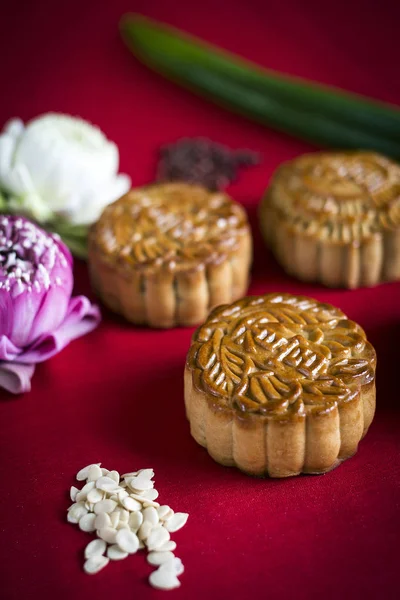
{"x": 335, "y": 218}
{"x": 280, "y": 385}
{"x": 165, "y": 254}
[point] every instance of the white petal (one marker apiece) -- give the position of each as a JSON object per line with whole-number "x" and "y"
{"x": 88, "y": 208}
{"x": 7, "y": 149}
{"x": 14, "y": 128}
{"x": 65, "y": 157}
{"x": 9, "y": 139}
{"x": 60, "y": 165}
{"x": 65, "y": 160}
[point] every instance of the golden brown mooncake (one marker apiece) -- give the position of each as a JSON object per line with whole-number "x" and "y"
{"x": 165, "y": 254}
{"x": 280, "y": 385}
{"x": 335, "y": 218}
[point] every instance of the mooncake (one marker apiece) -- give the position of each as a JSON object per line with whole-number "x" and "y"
{"x": 164, "y": 255}
{"x": 280, "y": 385}
{"x": 335, "y": 218}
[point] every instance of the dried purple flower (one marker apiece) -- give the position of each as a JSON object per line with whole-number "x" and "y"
{"x": 38, "y": 317}
{"x": 201, "y": 161}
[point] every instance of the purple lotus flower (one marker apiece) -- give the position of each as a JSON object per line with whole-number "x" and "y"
{"x": 38, "y": 317}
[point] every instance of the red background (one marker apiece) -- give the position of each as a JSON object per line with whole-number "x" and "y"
{"x": 116, "y": 395}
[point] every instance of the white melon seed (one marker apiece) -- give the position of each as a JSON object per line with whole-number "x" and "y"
{"x": 95, "y": 548}
{"x": 76, "y": 512}
{"x": 87, "y": 488}
{"x": 73, "y": 492}
{"x": 163, "y": 512}
{"x": 157, "y": 537}
{"x": 115, "y": 517}
{"x": 176, "y": 522}
{"x": 150, "y": 514}
{"x": 95, "y": 495}
{"x": 102, "y": 520}
{"x": 144, "y": 531}
{"x": 114, "y": 475}
{"x": 105, "y": 506}
{"x": 135, "y": 520}
{"x": 94, "y": 473}
{"x": 164, "y": 579}
{"x": 169, "y": 546}
{"x": 106, "y": 484}
{"x": 131, "y": 504}
{"x": 115, "y": 553}
{"x": 86, "y": 523}
{"x": 141, "y": 483}
{"x": 173, "y": 564}
{"x": 95, "y": 564}
{"x": 127, "y": 541}
{"x": 108, "y": 534}
{"x": 83, "y": 473}
{"x": 158, "y": 558}
{"x": 126, "y": 518}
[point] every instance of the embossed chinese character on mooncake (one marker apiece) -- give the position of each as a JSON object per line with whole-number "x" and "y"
{"x": 280, "y": 385}
{"x": 335, "y": 218}
{"x": 164, "y": 255}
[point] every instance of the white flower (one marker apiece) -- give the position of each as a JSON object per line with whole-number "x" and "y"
{"x": 59, "y": 166}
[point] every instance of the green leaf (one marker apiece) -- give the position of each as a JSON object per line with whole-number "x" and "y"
{"x": 74, "y": 236}
{"x": 274, "y": 99}
{"x": 78, "y": 246}
{"x": 3, "y": 203}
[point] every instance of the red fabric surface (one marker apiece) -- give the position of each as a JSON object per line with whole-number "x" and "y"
{"x": 116, "y": 395}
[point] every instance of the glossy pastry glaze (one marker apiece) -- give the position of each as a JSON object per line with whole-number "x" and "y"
{"x": 280, "y": 384}
{"x": 335, "y": 217}
{"x": 166, "y": 254}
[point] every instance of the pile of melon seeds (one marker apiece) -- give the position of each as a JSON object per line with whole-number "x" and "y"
{"x": 126, "y": 518}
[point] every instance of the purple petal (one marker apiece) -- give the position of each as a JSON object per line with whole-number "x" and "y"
{"x": 50, "y": 314}
{"x": 36, "y": 281}
{"x": 64, "y": 249}
{"x": 81, "y": 317}
{"x": 6, "y": 313}
{"x": 22, "y": 314}
{"x": 7, "y": 349}
{"x": 15, "y": 377}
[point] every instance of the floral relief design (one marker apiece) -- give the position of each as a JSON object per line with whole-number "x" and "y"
{"x": 280, "y": 354}
{"x": 173, "y": 224}
{"x": 339, "y": 197}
